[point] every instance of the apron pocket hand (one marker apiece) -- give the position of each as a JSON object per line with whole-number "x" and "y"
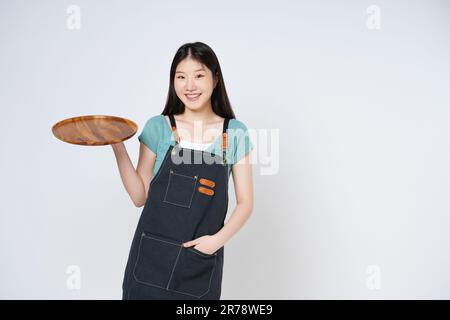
{"x": 155, "y": 261}
{"x": 193, "y": 272}
{"x": 180, "y": 189}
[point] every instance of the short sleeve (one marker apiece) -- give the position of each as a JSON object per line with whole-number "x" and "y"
{"x": 150, "y": 135}
{"x": 242, "y": 142}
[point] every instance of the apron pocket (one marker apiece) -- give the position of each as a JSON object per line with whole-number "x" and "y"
{"x": 193, "y": 272}
{"x": 156, "y": 259}
{"x": 180, "y": 189}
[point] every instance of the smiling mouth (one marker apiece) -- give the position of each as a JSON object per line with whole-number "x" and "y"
{"x": 192, "y": 97}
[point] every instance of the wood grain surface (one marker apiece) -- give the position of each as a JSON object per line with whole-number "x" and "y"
{"x": 94, "y": 130}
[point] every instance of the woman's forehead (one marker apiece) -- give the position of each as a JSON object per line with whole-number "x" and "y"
{"x": 190, "y": 65}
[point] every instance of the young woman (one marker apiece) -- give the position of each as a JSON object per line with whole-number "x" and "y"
{"x": 182, "y": 181}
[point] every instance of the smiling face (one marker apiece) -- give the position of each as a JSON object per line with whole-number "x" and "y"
{"x": 194, "y": 84}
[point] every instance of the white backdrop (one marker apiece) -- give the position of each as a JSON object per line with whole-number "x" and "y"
{"x": 351, "y": 183}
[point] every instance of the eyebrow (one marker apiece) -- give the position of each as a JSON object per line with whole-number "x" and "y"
{"x": 202, "y": 69}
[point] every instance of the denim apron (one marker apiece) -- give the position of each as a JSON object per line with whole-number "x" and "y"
{"x": 187, "y": 199}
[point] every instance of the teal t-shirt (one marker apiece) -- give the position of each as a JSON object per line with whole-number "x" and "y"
{"x": 157, "y": 136}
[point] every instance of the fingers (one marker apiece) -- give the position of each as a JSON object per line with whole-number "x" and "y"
{"x": 190, "y": 243}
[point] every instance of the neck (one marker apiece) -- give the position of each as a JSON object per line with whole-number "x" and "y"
{"x": 203, "y": 114}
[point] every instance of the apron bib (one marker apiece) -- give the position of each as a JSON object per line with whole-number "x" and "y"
{"x": 187, "y": 198}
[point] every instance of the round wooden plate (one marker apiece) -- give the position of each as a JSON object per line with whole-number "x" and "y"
{"x": 94, "y": 130}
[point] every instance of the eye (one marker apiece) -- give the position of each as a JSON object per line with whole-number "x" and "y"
{"x": 200, "y": 75}
{"x": 180, "y": 77}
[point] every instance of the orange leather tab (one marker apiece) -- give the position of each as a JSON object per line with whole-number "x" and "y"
{"x": 175, "y": 134}
{"x": 207, "y": 182}
{"x": 224, "y": 141}
{"x": 206, "y": 191}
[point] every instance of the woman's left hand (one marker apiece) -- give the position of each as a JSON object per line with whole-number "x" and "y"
{"x": 207, "y": 244}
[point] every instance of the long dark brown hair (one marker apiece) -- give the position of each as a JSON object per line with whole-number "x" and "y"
{"x": 203, "y": 54}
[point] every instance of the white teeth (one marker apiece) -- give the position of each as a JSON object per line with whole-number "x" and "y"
{"x": 192, "y": 97}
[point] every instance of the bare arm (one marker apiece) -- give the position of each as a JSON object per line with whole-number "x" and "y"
{"x": 243, "y": 186}
{"x": 136, "y": 182}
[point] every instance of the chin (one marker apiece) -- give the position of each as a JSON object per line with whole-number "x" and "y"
{"x": 193, "y": 106}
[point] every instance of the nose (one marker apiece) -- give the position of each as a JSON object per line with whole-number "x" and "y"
{"x": 190, "y": 84}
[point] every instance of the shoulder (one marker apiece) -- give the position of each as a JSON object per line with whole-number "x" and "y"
{"x": 240, "y": 139}
{"x": 237, "y": 124}
{"x": 152, "y": 132}
{"x": 237, "y": 127}
{"x": 156, "y": 120}
{"x": 238, "y": 132}
{"x": 154, "y": 124}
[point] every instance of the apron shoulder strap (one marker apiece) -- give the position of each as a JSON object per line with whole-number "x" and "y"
{"x": 225, "y": 141}
{"x": 174, "y": 128}
{"x": 172, "y": 121}
{"x": 225, "y": 125}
